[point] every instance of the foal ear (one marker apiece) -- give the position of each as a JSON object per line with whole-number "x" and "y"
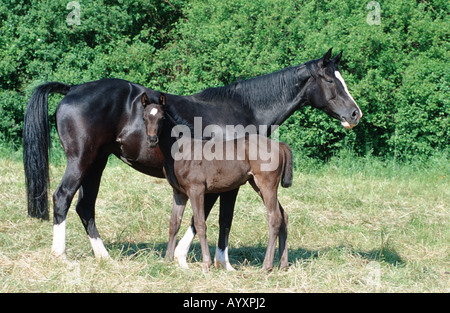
{"x": 337, "y": 58}
{"x": 144, "y": 99}
{"x": 162, "y": 99}
{"x": 326, "y": 58}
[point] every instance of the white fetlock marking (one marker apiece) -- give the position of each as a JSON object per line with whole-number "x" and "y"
{"x": 59, "y": 239}
{"x": 99, "y": 249}
{"x": 182, "y": 262}
{"x": 221, "y": 258}
{"x": 183, "y": 246}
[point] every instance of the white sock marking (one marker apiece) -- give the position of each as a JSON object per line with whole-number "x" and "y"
{"x": 221, "y": 258}
{"x": 99, "y": 249}
{"x": 183, "y": 246}
{"x": 59, "y": 239}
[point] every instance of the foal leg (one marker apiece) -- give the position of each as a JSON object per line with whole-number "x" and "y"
{"x": 274, "y": 219}
{"x": 179, "y": 203}
{"x": 282, "y": 239}
{"x": 85, "y": 208}
{"x": 283, "y": 251}
{"x": 196, "y": 195}
{"x": 184, "y": 244}
{"x": 227, "y": 202}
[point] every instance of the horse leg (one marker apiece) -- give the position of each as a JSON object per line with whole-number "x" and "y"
{"x": 282, "y": 239}
{"x": 178, "y": 206}
{"x": 87, "y": 194}
{"x": 196, "y": 195}
{"x": 62, "y": 199}
{"x": 184, "y": 244}
{"x": 274, "y": 219}
{"x": 227, "y": 202}
{"x": 283, "y": 251}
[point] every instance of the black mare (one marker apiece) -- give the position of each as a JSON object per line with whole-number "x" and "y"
{"x": 104, "y": 117}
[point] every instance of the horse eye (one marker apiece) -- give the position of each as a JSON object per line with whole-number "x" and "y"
{"x": 329, "y": 81}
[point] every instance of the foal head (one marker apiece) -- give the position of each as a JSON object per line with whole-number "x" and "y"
{"x": 153, "y": 118}
{"x": 328, "y": 91}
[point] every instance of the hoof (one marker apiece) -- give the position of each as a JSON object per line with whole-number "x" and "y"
{"x": 182, "y": 262}
{"x": 226, "y": 265}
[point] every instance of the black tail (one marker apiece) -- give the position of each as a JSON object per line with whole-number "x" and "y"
{"x": 36, "y": 143}
{"x": 286, "y": 179}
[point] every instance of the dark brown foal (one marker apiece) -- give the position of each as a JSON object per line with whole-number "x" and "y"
{"x": 220, "y": 167}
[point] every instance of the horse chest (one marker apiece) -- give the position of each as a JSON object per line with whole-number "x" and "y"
{"x": 132, "y": 149}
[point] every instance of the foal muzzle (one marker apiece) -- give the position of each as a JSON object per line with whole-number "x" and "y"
{"x": 152, "y": 141}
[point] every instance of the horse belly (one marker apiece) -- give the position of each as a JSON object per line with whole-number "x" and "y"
{"x": 151, "y": 165}
{"x": 225, "y": 175}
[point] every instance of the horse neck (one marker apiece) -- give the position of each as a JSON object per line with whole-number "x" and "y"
{"x": 166, "y": 140}
{"x": 279, "y": 95}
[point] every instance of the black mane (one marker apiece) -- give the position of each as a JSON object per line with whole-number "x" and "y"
{"x": 261, "y": 91}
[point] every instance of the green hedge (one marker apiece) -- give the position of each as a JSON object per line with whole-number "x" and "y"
{"x": 397, "y": 71}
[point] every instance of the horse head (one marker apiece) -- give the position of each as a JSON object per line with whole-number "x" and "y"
{"x": 153, "y": 118}
{"x": 328, "y": 91}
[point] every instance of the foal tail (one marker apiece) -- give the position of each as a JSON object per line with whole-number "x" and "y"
{"x": 36, "y": 144}
{"x": 286, "y": 179}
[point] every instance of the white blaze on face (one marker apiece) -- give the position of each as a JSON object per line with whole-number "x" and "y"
{"x": 154, "y": 111}
{"x": 339, "y": 76}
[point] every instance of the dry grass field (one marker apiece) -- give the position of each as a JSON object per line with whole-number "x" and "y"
{"x": 355, "y": 225}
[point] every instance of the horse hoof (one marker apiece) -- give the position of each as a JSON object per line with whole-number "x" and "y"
{"x": 169, "y": 258}
{"x": 182, "y": 262}
{"x": 227, "y": 266}
{"x": 205, "y": 267}
{"x": 102, "y": 257}
{"x": 57, "y": 255}
{"x": 284, "y": 266}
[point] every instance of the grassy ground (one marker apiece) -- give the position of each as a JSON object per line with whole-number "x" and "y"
{"x": 355, "y": 225}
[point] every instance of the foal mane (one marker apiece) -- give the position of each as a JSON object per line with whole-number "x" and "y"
{"x": 261, "y": 91}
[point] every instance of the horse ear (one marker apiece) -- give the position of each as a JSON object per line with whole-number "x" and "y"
{"x": 326, "y": 58}
{"x": 337, "y": 58}
{"x": 144, "y": 100}
{"x": 162, "y": 99}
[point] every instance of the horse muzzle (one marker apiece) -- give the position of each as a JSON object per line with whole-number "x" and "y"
{"x": 347, "y": 125}
{"x": 354, "y": 119}
{"x": 152, "y": 141}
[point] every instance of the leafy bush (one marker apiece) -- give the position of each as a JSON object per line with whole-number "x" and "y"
{"x": 397, "y": 71}
{"x": 114, "y": 39}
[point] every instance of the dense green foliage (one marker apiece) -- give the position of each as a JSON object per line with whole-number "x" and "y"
{"x": 397, "y": 71}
